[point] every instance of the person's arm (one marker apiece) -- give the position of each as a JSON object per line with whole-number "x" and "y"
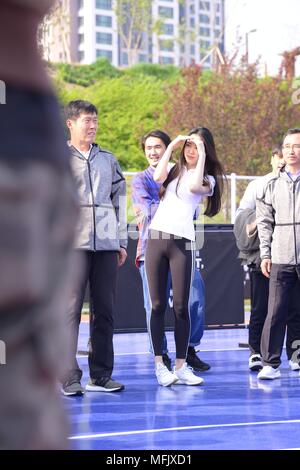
{"x": 161, "y": 171}
{"x": 197, "y": 184}
{"x": 248, "y": 200}
{"x": 118, "y": 198}
{"x": 265, "y": 225}
{"x": 143, "y": 203}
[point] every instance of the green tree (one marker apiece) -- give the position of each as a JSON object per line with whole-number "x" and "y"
{"x": 134, "y": 21}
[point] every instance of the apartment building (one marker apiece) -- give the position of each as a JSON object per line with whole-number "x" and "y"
{"x": 187, "y": 31}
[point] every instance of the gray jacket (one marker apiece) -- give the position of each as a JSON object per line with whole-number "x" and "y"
{"x": 102, "y": 198}
{"x": 278, "y": 220}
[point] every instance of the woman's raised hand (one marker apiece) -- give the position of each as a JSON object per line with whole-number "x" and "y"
{"x": 196, "y": 139}
{"x": 178, "y": 141}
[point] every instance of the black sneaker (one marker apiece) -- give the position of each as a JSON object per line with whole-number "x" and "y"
{"x": 167, "y": 361}
{"x": 195, "y": 362}
{"x": 104, "y": 385}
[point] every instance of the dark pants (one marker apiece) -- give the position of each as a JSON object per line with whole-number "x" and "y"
{"x": 283, "y": 280}
{"x": 163, "y": 255}
{"x": 101, "y": 273}
{"x": 259, "y": 309}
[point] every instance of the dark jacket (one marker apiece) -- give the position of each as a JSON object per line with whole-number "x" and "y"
{"x": 246, "y": 235}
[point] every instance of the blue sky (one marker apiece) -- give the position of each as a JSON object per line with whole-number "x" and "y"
{"x": 278, "y": 28}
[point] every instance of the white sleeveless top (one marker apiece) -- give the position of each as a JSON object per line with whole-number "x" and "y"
{"x": 175, "y": 212}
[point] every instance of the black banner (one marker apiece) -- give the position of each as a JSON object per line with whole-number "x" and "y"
{"x": 222, "y": 273}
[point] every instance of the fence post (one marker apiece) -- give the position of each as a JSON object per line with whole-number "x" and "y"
{"x": 233, "y": 196}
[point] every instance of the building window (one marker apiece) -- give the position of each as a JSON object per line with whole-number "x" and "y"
{"x": 143, "y": 58}
{"x": 192, "y": 9}
{"x": 192, "y": 49}
{"x": 104, "y": 4}
{"x": 103, "y": 38}
{"x": 205, "y": 6}
{"x": 204, "y": 31}
{"x": 103, "y": 53}
{"x": 80, "y": 21}
{"x": 80, "y": 4}
{"x": 166, "y": 60}
{"x": 102, "y": 20}
{"x": 165, "y": 12}
{"x": 217, "y": 20}
{"x": 80, "y": 38}
{"x": 204, "y": 19}
{"x": 167, "y": 29}
{"x": 124, "y": 58}
{"x": 166, "y": 46}
{"x": 192, "y": 22}
{"x": 204, "y": 45}
{"x": 81, "y": 56}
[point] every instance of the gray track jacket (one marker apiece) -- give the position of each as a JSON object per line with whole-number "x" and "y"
{"x": 278, "y": 220}
{"x": 102, "y": 197}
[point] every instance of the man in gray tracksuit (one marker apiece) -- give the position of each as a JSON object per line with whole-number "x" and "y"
{"x": 102, "y": 239}
{"x": 278, "y": 220}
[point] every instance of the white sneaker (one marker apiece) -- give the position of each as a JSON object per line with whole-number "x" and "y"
{"x": 186, "y": 377}
{"x": 255, "y": 362}
{"x": 269, "y": 373}
{"x": 164, "y": 376}
{"x": 294, "y": 365}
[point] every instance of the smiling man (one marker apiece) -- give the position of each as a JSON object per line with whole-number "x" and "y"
{"x": 102, "y": 239}
{"x": 278, "y": 218}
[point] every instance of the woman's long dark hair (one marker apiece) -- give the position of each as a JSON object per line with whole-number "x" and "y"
{"x": 212, "y": 167}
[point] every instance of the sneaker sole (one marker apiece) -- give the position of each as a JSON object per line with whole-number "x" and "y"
{"x": 256, "y": 368}
{"x": 180, "y": 382}
{"x": 264, "y": 377}
{"x": 72, "y": 394}
{"x": 97, "y": 388}
{"x": 174, "y": 381}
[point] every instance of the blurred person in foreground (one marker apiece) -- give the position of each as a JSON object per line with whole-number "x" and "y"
{"x": 38, "y": 213}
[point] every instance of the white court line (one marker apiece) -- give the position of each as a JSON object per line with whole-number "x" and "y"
{"x": 181, "y": 428}
{"x": 172, "y": 352}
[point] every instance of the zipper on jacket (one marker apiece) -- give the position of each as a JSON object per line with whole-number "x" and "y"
{"x": 294, "y": 222}
{"x": 93, "y": 202}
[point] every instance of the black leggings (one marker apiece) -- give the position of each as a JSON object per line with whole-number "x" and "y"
{"x": 165, "y": 252}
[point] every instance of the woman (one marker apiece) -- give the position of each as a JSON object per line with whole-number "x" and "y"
{"x": 197, "y": 174}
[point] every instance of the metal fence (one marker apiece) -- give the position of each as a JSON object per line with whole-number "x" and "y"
{"x": 234, "y": 188}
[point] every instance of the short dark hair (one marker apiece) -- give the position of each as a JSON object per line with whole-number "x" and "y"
{"x": 295, "y": 130}
{"x": 159, "y": 135}
{"x": 77, "y": 107}
{"x": 277, "y": 150}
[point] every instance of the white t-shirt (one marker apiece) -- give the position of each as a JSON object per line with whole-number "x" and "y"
{"x": 175, "y": 212}
{"x": 254, "y": 190}
{"x": 86, "y": 154}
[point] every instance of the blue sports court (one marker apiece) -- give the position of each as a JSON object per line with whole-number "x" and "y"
{"x": 231, "y": 411}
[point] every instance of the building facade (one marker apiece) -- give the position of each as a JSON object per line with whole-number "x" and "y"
{"x": 178, "y": 33}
